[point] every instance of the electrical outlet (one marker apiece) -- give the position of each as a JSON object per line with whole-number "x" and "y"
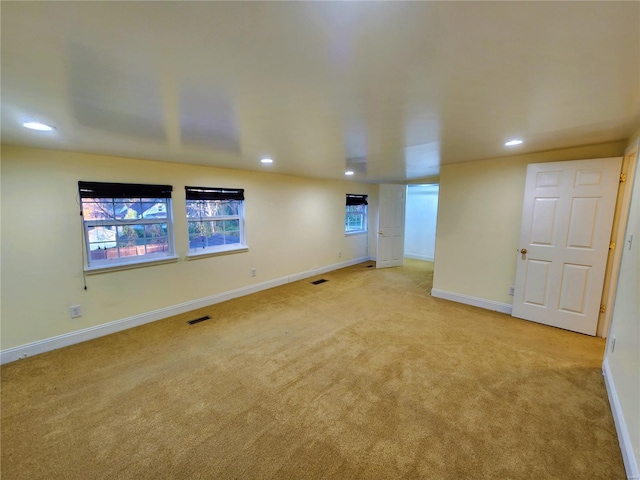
{"x": 613, "y": 343}
{"x": 339, "y": 254}
{"x": 75, "y": 311}
{"x": 511, "y": 289}
{"x": 253, "y": 272}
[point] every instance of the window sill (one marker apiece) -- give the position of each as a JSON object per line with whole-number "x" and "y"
{"x": 215, "y": 253}
{"x": 129, "y": 265}
{"x": 359, "y": 232}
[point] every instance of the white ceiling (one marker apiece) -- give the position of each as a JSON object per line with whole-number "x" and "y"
{"x": 391, "y": 90}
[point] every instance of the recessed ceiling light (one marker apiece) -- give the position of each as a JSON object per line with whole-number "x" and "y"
{"x": 266, "y": 160}
{"x": 41, "y": 127}
{"x": 349, "y": 172}
{"x": 512, "y": 143}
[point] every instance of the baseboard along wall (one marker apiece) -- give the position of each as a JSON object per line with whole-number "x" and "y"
{"x": 41, "y": 346}
{"x": 474, "y": 301}
{"x": 415, "y": 256}
{"x": 628, "y": 457}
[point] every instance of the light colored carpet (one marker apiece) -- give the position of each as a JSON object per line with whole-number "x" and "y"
{"x": 365, "y": 376}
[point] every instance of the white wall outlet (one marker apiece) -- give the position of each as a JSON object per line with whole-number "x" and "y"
{"x": 512, "y": 289}
{"x": 75, "y": 311}
{"x": 339, "y": 254}
{"x": 253, "y": 272}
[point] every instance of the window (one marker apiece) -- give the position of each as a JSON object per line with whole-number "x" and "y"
{"x": 215, "y": 218}
{"x": 356, "y": 214}
{"x": 126, "y": 223}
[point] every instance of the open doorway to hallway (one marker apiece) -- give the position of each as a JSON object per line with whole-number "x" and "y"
{"x": 420, "y": 223}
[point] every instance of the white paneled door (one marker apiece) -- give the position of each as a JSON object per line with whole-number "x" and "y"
{"x": 564, "y": 242}
{"x": 391, "y": 226}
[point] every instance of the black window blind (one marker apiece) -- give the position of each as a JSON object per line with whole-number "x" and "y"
{"x": 356, "y": 199}
{"x": 123, "y": 190}
{"x": 211, "y": 193}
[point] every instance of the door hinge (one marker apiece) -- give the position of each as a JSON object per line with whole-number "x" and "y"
{"x": 623, "y": 177}
{"x": 612, "y": 245}
{"x": 603, "y": 308}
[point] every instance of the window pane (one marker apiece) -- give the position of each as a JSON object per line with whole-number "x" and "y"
{"x": 104, "y": 254}
{"x": 229, "y": 207}
{"x": 193, "y": 209}
{"x": 195, "y": 228}
{"x": 356, "y": 208}
{"x": 154, "y": 210}
{"x": 231, "y": 225}
{"x": 212, "y": 208}
{"x": 157, "y": 245}
{"x": 155, "y": 230}
{"x": 231, "y": 237}
{"x": 197, "y": 241}
{"x": 217, "y": 226}
{"x": 101, "y": 238}
{"x": 212, "y": 234}
{"x": 127, "y": 210}
{"x": 130, "y": 250}
{"x": 131, "y": 235}
{"x": 354, "y": 222}
{"x": 97, "y": 210}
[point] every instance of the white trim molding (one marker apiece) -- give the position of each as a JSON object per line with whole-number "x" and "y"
{"x": 628, "y": 457}
{"x": 474, "y": 301}
{"x": 34, "y": 348}
{"x": 415, "y": 256}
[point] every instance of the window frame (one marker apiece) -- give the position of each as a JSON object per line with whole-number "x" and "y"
{"x": 117, "y": 193}
{"x": 356, "y": 200}
{"x": 216, "y": 194}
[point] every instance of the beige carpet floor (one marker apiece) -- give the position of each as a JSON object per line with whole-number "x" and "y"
{"x": 365, "y": 376}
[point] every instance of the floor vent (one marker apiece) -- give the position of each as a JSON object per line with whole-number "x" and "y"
{"x": 198, "y": 320}
{"x": 318, "y": 282}
{"x": 369, "y": 266}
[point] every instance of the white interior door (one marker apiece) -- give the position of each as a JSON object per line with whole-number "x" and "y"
{"x": 391, "y": 226}
{"x": 564, "y": 242}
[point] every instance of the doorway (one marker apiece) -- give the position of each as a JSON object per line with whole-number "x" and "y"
{"x": 420, "y": 225}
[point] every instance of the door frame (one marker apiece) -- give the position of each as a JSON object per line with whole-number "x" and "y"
{"x": 620, "y": 216}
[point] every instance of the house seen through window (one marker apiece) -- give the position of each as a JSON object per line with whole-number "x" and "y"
{"x": 356, "y": 214}
{"x": 125, "y": 223}
{"x": 215, "y": 218}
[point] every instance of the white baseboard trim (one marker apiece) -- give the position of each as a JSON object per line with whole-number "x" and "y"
{"x": 628, "y": 457}
{"x": 414, "y": 256}
{"x": 319, "y": 271}
{"x": 34, "y": 348}
{"x": 474, "y": 301}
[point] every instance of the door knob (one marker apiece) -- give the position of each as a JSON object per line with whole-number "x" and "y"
{"x": 380, "y": 232}
{"x": 523, "y": 251}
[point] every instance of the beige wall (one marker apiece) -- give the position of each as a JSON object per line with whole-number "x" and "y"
{"x": 623, "y": 361}
{"x": 292, "y": 225}
{"x": 479, "y": 214}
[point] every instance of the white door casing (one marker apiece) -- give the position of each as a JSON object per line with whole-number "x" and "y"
{"x": 564, "y": 242}
{"x": 391, "y": 226}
